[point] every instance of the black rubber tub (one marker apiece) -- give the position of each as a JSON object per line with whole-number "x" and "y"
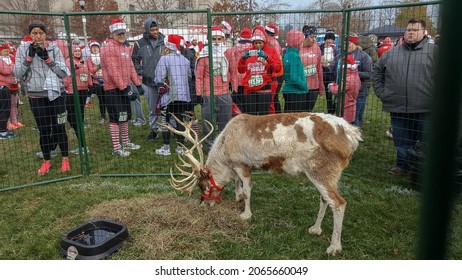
{"x": 95, "y": 240}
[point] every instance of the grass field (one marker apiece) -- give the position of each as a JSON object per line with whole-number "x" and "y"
{"x": 381, "y": 220}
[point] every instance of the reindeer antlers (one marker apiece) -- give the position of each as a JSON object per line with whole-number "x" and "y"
{"x": 190, "y": 179}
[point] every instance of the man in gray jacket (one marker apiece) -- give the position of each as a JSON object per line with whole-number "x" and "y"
{"x": 146, "y": 54}
{"x": 403, "y": 80}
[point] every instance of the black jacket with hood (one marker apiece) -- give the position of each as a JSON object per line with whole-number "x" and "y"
{"x": 147, "y": 52}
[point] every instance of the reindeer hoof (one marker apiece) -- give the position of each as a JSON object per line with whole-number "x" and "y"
{"x": 246, "y": 215}
{"x": 333, "y": 250}
{"x": 314, "y": 230}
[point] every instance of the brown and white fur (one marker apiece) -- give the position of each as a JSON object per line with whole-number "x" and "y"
{"x": 318, "y": 146}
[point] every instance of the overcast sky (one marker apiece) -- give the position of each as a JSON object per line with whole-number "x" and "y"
{"x": 303, "y": 3}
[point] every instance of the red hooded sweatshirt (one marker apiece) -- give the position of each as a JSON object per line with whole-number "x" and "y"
{"x": 258, "y": 71}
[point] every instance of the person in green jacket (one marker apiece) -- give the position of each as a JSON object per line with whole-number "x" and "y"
{"x": 295, "y": 87}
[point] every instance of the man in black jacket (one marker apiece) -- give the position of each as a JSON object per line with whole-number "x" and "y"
{"x": 403, "y": 80}
{"x": 146, "y": 54}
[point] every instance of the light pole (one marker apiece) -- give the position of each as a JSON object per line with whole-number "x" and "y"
{"x": 84, "y": 21}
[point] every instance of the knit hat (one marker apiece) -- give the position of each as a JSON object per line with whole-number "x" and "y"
{"x": 294, "y": 38}
{"x": 93, "y": 43}
{"x": 271, "y": 29}
{"x": 329, "y": 35}
{"x": 245, "y": 34}
{"x": 117, "y": 26}
{"x": 37, "y": 24}
{"x": 353, "y": 38}
{"x": 309, "y": 30}
{"x": 174, "y": 42}
{"x": 4, "y": 46}
{"x": 217, "y": 31}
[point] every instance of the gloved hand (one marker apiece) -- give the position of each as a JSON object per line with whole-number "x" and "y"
{"x": 261, "y": 53}
{"x": 132, "y": 95}
{"x": 31, "y": 51}
{"x": 42, "y": 53}
{"x": 140, "y": 90}
{"x": 246, "y": 55}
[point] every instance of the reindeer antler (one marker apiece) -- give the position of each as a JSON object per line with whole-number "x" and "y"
{"x": 190, "y": 179}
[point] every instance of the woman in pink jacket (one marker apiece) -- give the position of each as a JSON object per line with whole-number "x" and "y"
{"x": 83, "y": 80}
{"x": 311, "y": 59}
{"x": 352, "y": 86}
{"x": 118, "y": 72}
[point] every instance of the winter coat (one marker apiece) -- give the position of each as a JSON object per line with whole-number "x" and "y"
{"x": 118, "y": 70}
{"x": 147, "y": 52}
{"x": 6, "y": 72}
{"x": 94, "y": 65}
{"x": 403, "y": 77}
{"x": 176, "y": 68}
{"x": 41, "y": 79}
{"x": 259, "y": 71}
{"x": 294, "y": 75}
{"x": 220, "y": 72}
{"x": 233, "y": 55}
{"x": 311, "y": 59}
{"x": 82, "y": 76}
{"x": 352, "y": 86}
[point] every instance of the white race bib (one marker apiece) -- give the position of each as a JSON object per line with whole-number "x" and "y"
{"x": 83, "y": 78}
{"x": 310, "y": 70}
{"x": 256, "y": 80}
{"x": 123, "y": 117}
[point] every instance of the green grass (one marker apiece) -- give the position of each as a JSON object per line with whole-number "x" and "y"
{"x": 381, "y": 220}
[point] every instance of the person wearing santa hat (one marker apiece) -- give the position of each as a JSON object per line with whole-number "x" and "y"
{"x": 352, "y": 86}
{"x": 227, "y": 28}
{"x": 94, "y": 65}
{"x": 295, "y": 88}
{"x": 364, "y": 62}
{"x": 83, "y": 81}
{"x": 118, "y": 72}
{"x": 233, "y": 55}
{"x": 145, "y": 56}
{"x": 173, "y": 72}
{"x": 259, "y": 64}
{"x": 221, "y": 113}
{"x": 272, "y": 31}
{"x": 41, "y": 66}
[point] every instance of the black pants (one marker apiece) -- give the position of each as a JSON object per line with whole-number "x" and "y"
{"x": 295, "y": 103}
{"x": 5, "y": 107}
{"x": 72, "y": 112}
{"x": 51, "y": 117}
{"x": 99, "y": 91}
{"x": 177, "y": 108}
{"x": 118, "y": 106}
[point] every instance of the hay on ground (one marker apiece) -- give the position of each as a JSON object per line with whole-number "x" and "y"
{"x": 167, "y": 226}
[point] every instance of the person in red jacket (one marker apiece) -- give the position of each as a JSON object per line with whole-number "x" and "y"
{"x": 258, "y": 64}
{"x": 385, "y": 46}
{"x": 83, "y": 79}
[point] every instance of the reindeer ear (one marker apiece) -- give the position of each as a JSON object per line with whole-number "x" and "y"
{"x": 204, "y": 173}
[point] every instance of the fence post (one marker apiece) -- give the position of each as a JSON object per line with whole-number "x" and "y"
{"x": 439, "y": 178}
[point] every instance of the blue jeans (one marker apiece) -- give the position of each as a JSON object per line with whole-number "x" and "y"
{"x": 360, "y": 108}
{"x": 407, "y": 130}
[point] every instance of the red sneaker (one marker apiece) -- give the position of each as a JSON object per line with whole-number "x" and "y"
{"x": 18, "y": 125}
{"x": 65, "y": 165}
{"x": 44, "y": 168}
{"x": 89, "y": 104}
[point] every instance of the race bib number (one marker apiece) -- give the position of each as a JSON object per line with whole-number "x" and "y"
{"x": 99, "y": 73}
{"x": 62, "y": 118}
{"x": 217, "y": 72}
{"x": 256, "y": 80}
{"x": 84, "y": 77}
{"x": 310, "y": 70}
{"x": 123, "y": 117}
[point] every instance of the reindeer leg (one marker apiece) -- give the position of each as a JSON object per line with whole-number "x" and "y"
{"x": 336, "y": 241}
{"x": 238, "y": 189}
{"x": 316, "y": 228}
{"x": 244, "y": 194}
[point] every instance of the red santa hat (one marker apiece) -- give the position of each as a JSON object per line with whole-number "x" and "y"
{"x": 174, "y": 42}
{"x": 271, "y": 29}
{"x": 4, "y": 46}
{"x": 93, "y": 43}
{"x": 26, "y": 39}
{"x": 118, "y": 26}
{"x": 353, "y": 38}
{"x": 228, "y": 26}
{"x": 245, "y": 34}
{"x": 217, "y": 31}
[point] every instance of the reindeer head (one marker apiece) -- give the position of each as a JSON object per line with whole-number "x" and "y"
{"x": 198, "y": 174}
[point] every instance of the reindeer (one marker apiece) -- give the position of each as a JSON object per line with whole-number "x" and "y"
{"x": 318, "y": 146}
